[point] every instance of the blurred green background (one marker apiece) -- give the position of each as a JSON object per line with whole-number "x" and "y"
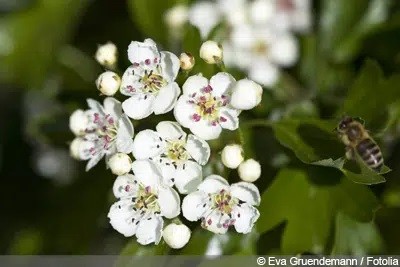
{"x": 350, "y": 63}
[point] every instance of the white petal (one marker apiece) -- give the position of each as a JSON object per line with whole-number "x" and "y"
{"x": 232, "y": 120}
{"x": 221, "y": 83}
{"x": 146, "y": 172}
{"x": 147, "y": 144}
{"x": 264, "y": 73}
{"x": 193, "y": 205}
{"x": 150, "y": 231}
{"x": 284, "y": 51}
{"x": 194, "y": 84}
{"x": 170, "y": 65}
{"x": 121, "y": 184}
{"x": 184, "y": 111}
{"x": 214, "y": 223}
{"x": 130, "y": 83}
{"x": 121, "y": 216}
{"x": 93, "y": 161}
{"x": 125, "y": 133}
{"x": 206, "y": 130}
{"x": 168, "y": 171}
{"x": 213, "y": 183}
{"x": 113, "y": 107}
{"x": 188, "y": 179}
{"x": 198, "y": 149}
{"x": 166, "y": 98}
{"x": 170, "y": 130}
{"x": 139, "y": 52}
{"x": 138, "y": 106}
{"x": 95, "y": 106}
{"x": 245, "y": 217}
{"x": 169, "y": 201}
{"x": 205, "y": 16}
{"x": 247, "y": 192}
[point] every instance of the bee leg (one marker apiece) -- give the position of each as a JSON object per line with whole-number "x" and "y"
{"x": 349, "y": 153}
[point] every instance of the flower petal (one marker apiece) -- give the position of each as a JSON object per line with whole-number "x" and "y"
{"x": 169, "y": 201}
{"x": 193, "y": 205}
{"x": 150, "y": 230}
{"x": 166, "y": 99}
{"x": 184, "y": 111}
{"x": 130, "y": 83}
{"x": 231, "y": 119}
{"x": 170, "y": 130}
{"x": 245, "y": 216}
{"x": 138, "y": 106}
{"x": 113, "y": 107}
{"x": 170, "y": 65}
{"x": 221, "y": 83}
{"x": 147, "y": 144}
{"x": 198, "y": 149}
{"x": 146, "y": 172}
{"x": 188, "y": 178}
{"x": 205, "y": 16}
{"x": 139, "y": 52}
{"x": 168, "y": 171}
{"x": 95, "y": 106}
{"x": 215, "y": 223}
{"x": 284, "y": 50}
{"x": 121, "y": 216}
{"x": 206, "y": 130}
{"x": 213, "y": 183}
{"x": 121, "y": 184}
{"x": 247, "y": 192}
{"x": 264, "y": 73}
{"x": 194, "y": 84}
{"x": 125, "y": 133}
{"x": 93, "y": 161}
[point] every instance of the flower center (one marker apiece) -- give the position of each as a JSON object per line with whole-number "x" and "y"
{"x": 152, "y": 81}
{"x": 260, "y": 48}
{"x": 224, "y": 202}
{"x": 176, "y": 150}
{"x": 105, "y": 131}
{"x": 146, "y": 200}
{"x": 208, "y": 106}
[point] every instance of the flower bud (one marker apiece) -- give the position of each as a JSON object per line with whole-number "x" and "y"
{"x": 108, "y": 83}
{"x": 232, "y": 156}
{"x": 120, "y": 164}
{"x": 249, "y": 170}
{"x": 186, "y": 61}
{"x": 211, "y": 52}
{"x": 176, "y": 235}
{"x": 176, "y": 17}
{"x": 246, "y": 94}
{"x": 74, "y": 148}
{"x": 106, "y": 55}
{"x": 78, "y": 122}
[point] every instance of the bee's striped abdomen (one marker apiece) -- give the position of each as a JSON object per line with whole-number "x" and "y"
{"x": 370, "y": 154}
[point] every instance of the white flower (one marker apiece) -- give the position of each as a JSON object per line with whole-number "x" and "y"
{"x": 120, "y": 163}
{"x": 176, "y": 17}
{"x": 235, "y": 11}
{"x": 176, "y": 235}
{"x": 204, "y": 106}
{"x": 150, "y": 80}
{"x": 232, "y": 156}
{"x": 108, "y": 83}
{"x": 211, "y": 52}
{"x": 78, "y": 122}
{"x": 143, "y": 202}
{"x": 246, "y": 94}
{"x": 204, "y": 16}
{"x": 179, "y": 156}
{"x": 293, "y": 15}
{"x": 220, "y": 206}
{"x": 249, "y": 170}
{"x": 106, "y": 55}
{"x": 74, "y": 148}
{"x": 187, "y": 61}
{"x": 108, "y": 131}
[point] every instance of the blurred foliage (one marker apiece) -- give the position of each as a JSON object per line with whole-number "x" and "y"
{"x": 313, "y": 200}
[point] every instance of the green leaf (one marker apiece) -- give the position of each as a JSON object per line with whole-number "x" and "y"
{"x": 309, "y": 209}
{"x": 355, "y": 238}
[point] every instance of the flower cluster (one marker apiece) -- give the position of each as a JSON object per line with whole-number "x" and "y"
{"x": 258, "y": 35}
{"x": 168, "y": 162}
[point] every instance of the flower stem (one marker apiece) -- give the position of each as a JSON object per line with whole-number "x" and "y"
{"x": 221, "y": 65}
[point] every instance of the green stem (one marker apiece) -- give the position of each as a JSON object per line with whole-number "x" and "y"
{"x": 257, "y": 123}
{"x": 221, "y": 65}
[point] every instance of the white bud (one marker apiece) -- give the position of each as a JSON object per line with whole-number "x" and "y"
{"x": 211, "y": 52}
{"x": 176, "y": 17}
{"x": 176, "y": 235}
{"x": 246, "y": 94}
{"x": 120, "y": 164}
{"x": 108, "y": 83}
{"x": 74, "y": 148}
{"x": 106, "y": 55}
{"x": 249, "y": 170}
{"x": 78, "y": 122}
{"x": 186, "y": 61}
{"x": 232, "y": 156}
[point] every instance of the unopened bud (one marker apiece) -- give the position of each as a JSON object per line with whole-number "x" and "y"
{"x": 211, "y": 52}
{"x": 249, "y": 170}
{"x": 120, "y": 164}
{"x": 107, "y": 54}
{"x": 176, "y": 235}
{"x": 108, "y": 83}
{"x": 186, "y": 61}
{"x": 246, "y": 94}
{"x": 232, "y": 156}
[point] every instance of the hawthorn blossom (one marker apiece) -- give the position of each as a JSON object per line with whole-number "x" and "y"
{"x": 150, "y": 81}
{"x": 178, "y": 155}
{"x": 106, "y": 131}
{"x": 220, "y": 206}
{"x": 143, "y": 202}
{"x": 204, "y": 106}
{"x": 204, "y": 16}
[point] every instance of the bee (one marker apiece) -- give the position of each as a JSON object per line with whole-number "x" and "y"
{"x": 352, "y": 133}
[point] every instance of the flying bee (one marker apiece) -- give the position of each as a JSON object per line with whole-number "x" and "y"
{"x": 352, "y": 133}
